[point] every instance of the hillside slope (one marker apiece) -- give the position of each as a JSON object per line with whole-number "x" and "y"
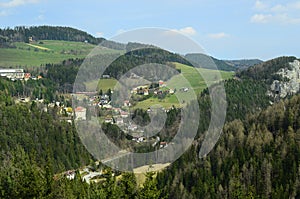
{"x": 243, "y": 63}
{"x": 204, "y": 61}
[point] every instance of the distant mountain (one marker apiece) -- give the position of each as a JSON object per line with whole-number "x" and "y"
{"x": 243, "y": 63}
{"x": 204, "y": 61}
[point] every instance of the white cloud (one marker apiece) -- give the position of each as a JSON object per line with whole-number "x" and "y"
{"x": 4, "y": 13}
{"x": 295, "y": 5}
{"x": 15, "y": 3}
{"x": 278, "y": 18}
{"x": 259, "y": 5}
{"x": 261, "y": 18}
{"x": 277, "y": 13}
{"x": 218, "y": 35}
{"x": 187, "y": 31}
{"x": 279, "y": 8}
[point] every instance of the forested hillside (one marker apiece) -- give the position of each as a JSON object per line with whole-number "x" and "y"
{"x": 259, "y": 144}
{"x": 258, "y": 157}
{"x": 22, "y": 34}
{"x": 40, "y": 134}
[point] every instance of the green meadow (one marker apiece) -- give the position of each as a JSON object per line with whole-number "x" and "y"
{"x": 45, "y": 51}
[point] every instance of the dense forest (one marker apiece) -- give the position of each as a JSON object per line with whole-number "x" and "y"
{"x": 22, "y": 34}
{"x": 39, "y": 133}
{"x": 259, "y": 144}
{"x": 142, "y": 56}
{"x": 258, "y": 157}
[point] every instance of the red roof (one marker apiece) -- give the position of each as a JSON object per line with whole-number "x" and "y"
{"x": 79, "y": 109}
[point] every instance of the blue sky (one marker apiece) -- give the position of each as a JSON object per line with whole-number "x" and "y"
{"x": 231, "y": 29}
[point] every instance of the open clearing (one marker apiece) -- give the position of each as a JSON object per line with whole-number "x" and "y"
{"x": 141, "y": 171}
{"x": 103, "y": 84}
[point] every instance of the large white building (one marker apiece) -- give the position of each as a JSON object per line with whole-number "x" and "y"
{"x": 12, "y": 73}
{"x": 80, "y": 113}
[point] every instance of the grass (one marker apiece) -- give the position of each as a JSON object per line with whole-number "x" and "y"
{"x": 168, "y": 102}
{"x": 103, "y": 84}
{"x": 45, "y": 51}
{"x": 140, "y": 172}
{"x": 191, "y": 78}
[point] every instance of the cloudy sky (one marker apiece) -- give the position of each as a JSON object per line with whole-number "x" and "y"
{"x": 228, "y": 29}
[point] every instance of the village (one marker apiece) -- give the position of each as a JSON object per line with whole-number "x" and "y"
{"x": 109, "y": 114}
{"x": 121, "y": 115}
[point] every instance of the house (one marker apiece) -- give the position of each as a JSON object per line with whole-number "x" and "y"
{"x": 146, "y": 92}
{"x": 134, "y": 91}
{"x": 108, "y": 120}
{"x": 70, "y": 174}
{"x": 171, "y": 91}
{"x": 163, "y": 144}
{"x": 116, "y": 110}
{"x": 184, "y": 89}
{"x": 124, "y": 114}
{"x": 27, "y": 76}
{"x": 30, "y": 39}
{"x": 80, "y": 113}
{"x": 105, "y": 76}
{"x": 132, "y": 127}
{"x": 160, "y": 83}
{"x": 140, "y": 139}
{"x": 120, "y": 121}
{"x": 127, "y": 103}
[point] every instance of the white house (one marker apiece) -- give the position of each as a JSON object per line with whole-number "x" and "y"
{"x": 120, "y": 121}
{"x": 80, "y": 113}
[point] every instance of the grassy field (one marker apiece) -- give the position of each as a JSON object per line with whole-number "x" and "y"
{"x": 43, "y": 52}
{"x": 103, "y": 84}
{"x": 189, "y": 78}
